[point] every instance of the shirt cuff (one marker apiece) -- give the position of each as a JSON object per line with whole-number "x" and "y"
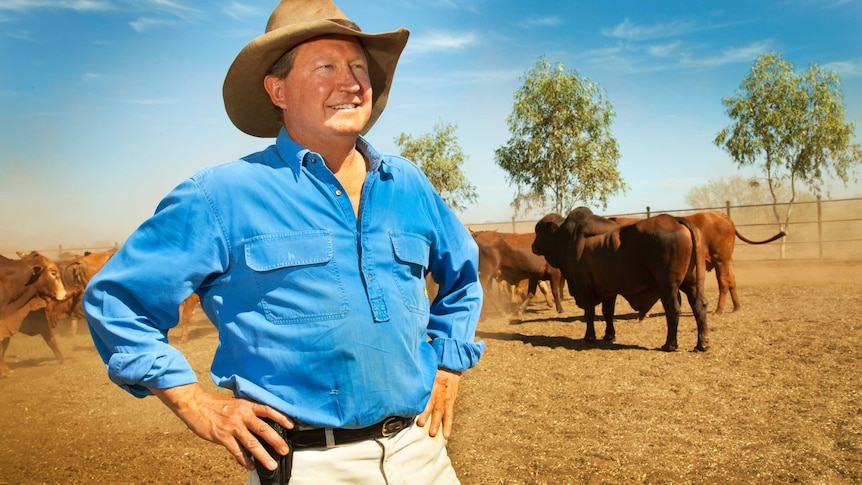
{"x": 457, "y": 355}
{"x": 137, "y": 372}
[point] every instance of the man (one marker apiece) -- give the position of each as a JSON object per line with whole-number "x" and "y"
{"x": 310, "y": 258}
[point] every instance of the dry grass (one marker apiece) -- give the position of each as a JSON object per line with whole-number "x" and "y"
{"x": 777, "y": 399}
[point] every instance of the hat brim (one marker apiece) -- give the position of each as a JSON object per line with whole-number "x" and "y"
{"x": 246, "y": 101}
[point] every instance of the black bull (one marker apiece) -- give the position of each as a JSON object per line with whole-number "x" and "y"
{"x": 650, "y": 260}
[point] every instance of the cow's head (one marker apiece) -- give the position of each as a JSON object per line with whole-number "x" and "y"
{"x": 44, "y": 276}
{"x": 548, "y": 242}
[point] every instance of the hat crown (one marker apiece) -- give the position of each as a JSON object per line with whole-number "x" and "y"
{"x": 289, "y": 12}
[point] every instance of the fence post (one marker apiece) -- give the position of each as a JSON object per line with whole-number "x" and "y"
{"x": 727, "y": 206}
{"x": 647, "y": 212}
{"x": 513, "y": 223}
{"x": 819, "y": 228}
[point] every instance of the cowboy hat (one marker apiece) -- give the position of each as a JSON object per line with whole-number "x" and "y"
{"x": 292, "y": 22}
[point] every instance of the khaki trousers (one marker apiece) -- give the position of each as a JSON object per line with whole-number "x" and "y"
{"x": 409, "y": 458}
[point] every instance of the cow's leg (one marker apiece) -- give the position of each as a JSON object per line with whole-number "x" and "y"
{"x": 670, "y": 302}
{"x": 557, "y": 292}
{"x": 4, "y": 369}
{"x": 731, "y": 284}
{"x": 531, "y": 292}
{"x": 590, "y": 317}
{"x": 608, "y": 306}
{"x": 721, "y": 276}
{"x": 545, "y": 288}
{"x": 699, "y": 307}
{"x": 48, "y": 335}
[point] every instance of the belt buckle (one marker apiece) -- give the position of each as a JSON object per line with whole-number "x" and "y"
{"x": 391, "y": 426}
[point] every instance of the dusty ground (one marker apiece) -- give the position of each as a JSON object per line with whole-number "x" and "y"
{"x": 777, "y": 399}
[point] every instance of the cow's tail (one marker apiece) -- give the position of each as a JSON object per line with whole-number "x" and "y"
{"x": 699, "y": 256}
{"x": 749, "y": 241}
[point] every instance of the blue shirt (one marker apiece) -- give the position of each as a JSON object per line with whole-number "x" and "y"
{"x": 320, "y": 315}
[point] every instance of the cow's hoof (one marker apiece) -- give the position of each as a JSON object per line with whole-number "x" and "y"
{"x": 668, "y": 348}
{"x": 610, "y": 338}
{"x": 700, "y": 348}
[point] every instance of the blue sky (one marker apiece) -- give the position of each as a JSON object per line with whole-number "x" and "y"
{"x": 105, "y": 105}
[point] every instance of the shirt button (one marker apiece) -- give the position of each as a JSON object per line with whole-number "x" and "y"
{"x": 338, "y": 192}
{"x": 313, "y": 159}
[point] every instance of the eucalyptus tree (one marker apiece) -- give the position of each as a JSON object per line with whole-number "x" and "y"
{"x": 790, "y": 125}
{"x": 561, "y": 152}
{"x": 440, "y": 157}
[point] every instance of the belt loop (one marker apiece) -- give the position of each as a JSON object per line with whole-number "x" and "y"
{"x": 330, "y": 437}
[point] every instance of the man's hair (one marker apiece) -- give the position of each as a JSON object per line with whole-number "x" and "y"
{"x": 281, "y": 68}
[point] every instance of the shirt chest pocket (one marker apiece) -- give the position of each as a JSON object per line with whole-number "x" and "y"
{"x": 296, "y": 277}
{"x": 411, "y": 253}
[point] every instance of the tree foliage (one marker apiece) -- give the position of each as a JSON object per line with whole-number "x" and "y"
{"x": 440, "y": 157}
{"x": 561, "y": 151}
{"x": 791, "y": 126}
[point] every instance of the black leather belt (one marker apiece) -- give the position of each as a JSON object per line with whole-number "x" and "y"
{"x": 316, "y": 438}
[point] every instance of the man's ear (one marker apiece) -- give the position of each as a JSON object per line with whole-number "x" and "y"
{"x": 276, "y": 89}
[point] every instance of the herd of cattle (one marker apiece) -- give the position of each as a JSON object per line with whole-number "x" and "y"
{"x": 642, "y": 260}
{"x": 36, "y": 293}
{"x": 596, "y": 258}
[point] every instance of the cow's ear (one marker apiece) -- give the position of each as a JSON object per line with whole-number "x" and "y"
{"x": 37, "y": 270}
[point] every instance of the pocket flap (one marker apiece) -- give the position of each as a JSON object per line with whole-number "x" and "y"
{"x": 411, "y": 248}
{"x": 269, "y": 252}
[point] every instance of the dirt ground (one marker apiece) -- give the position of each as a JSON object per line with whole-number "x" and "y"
{"x": 776, "y": 399}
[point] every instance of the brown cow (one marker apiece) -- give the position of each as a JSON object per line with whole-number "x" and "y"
{"x": 507, "y": 256}
{"x": 650, "y": 260}
{"x": 717, "y": 231}
{"x": 21, "y": 282}
{"x": 80, "y": 270}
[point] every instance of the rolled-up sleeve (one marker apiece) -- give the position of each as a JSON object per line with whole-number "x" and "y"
{"x": 455, "y": 311}
{"x": 133, "y": 301}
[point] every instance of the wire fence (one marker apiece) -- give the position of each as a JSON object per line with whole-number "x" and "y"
{"x": 822, "y": 229}
{"x": 817, "y": 230}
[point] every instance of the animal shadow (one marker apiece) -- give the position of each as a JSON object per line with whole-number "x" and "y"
{"x": 553, "y": 342}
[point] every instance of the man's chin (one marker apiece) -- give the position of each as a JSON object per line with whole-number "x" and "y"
{"x": 347, "y": 128}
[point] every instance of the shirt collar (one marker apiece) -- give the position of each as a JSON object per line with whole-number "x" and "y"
{"x": 294, "y": 154}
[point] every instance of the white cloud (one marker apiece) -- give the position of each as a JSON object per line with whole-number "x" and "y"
{"x": 148, "y": 7}
{"x": 78, "y": 5}
{"x": 845, "y": 69}
{"x": 23, "y": 35}
{"x": 239, "y": 10}
{"x": 540, "y": 22}
{"x": 143, "y": 24}
{"x": 627, "y": 30}
{"x": 441, "y": 42}
{"x": 664, "y": 50}
{"x": 734, "y": 55}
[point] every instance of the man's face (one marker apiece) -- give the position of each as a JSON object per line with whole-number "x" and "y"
{"x": 328, "y": 89}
